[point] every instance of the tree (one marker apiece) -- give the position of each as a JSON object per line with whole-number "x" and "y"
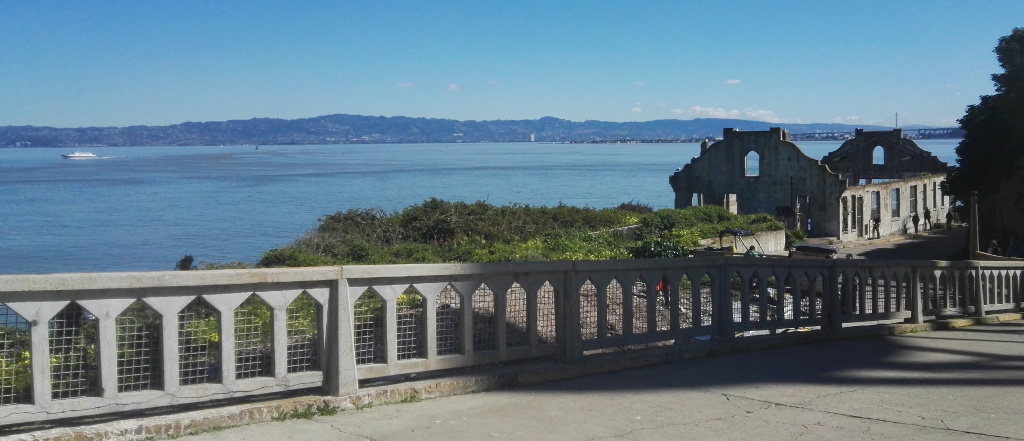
{"x": 993, "y": 145}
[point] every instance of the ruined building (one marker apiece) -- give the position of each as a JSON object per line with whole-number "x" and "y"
{"x": 874, "y": 175}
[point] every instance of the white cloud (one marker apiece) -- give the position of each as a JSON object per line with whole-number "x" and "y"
{"x": 732, "y": 81}
{"x": 662, "y": 105}
{"x": 638, "y": 83}
{"x": 751, "y": 114}
{"x": 845, "y": 120}
{"x": 677, "y": 111}
{"x": 637, "y": 109}
{"x": 454, "y": 87}
{"x": 405, "y": 85}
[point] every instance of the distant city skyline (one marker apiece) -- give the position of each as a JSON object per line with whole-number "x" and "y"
{"x": 123, "y": 63}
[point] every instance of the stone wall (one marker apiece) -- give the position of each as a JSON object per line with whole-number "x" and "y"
{"x": 787, "y": 181}
{"x": 928, "y": 196}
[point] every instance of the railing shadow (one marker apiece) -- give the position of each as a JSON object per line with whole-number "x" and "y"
{"x": 967, "y": 357}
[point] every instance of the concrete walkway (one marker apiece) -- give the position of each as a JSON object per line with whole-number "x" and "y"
{"x": 962, "y": 384}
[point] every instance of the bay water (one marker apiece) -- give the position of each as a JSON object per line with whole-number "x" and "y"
{"x": 143, "y": 208}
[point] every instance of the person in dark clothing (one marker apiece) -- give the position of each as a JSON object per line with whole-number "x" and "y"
{"x": 949, "y": 219}
{"x": 874, "y": 227}
{"x": 916, "y": 219}
{"x": 927, "y": 218}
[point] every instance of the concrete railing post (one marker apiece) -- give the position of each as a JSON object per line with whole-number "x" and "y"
{"x": 833, "y": 301}
{"x": 979, "y": 293}
{"x": 916, "y": 298}
{"x": 721, "y": 317}
{"x": 340, "y": 378}
{"x": 570, "y": 317}
{"x": 916, "y": 295}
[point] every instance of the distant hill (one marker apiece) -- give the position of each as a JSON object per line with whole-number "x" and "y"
{"x": 357, "y": 129}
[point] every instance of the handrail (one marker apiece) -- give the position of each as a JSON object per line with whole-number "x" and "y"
{"x": 75, "y": 345}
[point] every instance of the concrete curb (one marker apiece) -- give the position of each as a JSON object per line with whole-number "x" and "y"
{"x": 495, "y": 378}
{"x": 971, "y": 321}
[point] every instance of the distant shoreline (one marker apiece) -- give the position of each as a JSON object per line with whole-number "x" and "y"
{"x": 357, "y": 129}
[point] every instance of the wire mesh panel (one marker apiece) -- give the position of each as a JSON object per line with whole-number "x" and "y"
{"x": 802, "y": 302}
{"x": 139, "y": 354}
{"x": 737, "y": 295}
{"x": 872, "y": 305}
{"x": 449, "y": 318}
{"x": 615, "y": 315}
{"x": 640, "y": 299}
{"x": 483, "y": 320}
{"x": 303, "y": 330}
{"x": 516, "y": 328}
{"x": 198, "y": 344}
{"x": 753, "y": 292}
{"x": 254, "y": 339}
{"x": 411, "y": 319}
{"x": 860, "y": 294}
{"x": 368, "y": 327}
{"x": 15, "y": 359}
{"x": 780, "y": 306}
{"x": 686, "y": 313}
{"x": 707, "y": 303}
{"x": 880, "y": 287}
{"x": 816, "y": 297}
{"x": 547, "y": 331}
{"x": 74, "y": 366}
{"x": 588, "y": 311}
{"x": 663, "y": 305}
{"x": 945, "y": 292}
{"x": 893, "y": 289}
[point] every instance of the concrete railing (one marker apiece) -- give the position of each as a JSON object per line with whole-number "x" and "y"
{"x": 74, "y": 345}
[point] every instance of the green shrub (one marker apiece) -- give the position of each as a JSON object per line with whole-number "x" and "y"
{"x": 441, "y": 231}
{"x": 293, "y": 257}
{"x": 794, "y": 237}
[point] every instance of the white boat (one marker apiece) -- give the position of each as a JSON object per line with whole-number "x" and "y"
{"x": 78, "y": 155}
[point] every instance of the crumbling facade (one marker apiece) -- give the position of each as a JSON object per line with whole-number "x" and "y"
{"x": 874, "y": 176}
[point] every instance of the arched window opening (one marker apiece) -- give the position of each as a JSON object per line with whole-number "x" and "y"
{"x": 878, "y": 155}
{"x": 752, "y": 164}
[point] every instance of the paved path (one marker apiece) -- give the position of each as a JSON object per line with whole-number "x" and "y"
{"x": 966, "y": 384}
{"x": 930, "y": 245}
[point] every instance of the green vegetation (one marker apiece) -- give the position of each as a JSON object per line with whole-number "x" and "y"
{"x": 15, "y": 361}
{"x": 992, "y": 151}
{"x": 438, "y": 231}
{"x": 308, "y": 413}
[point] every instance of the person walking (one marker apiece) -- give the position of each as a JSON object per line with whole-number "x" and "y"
{"x": 927, "y": 218}
{"x": 916, "y": 220}
{"x": 993, "y": 248}
{"x": 949, "y": 219}
{"x": 874, "y": 227}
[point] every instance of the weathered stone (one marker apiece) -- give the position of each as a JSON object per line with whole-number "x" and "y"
{"x": 839, "y": 196}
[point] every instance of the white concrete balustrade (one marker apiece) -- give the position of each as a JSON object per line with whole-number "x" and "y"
{"x": 74, "y": 345}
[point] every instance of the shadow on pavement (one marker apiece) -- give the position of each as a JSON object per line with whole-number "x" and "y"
{"x": 935, "y": 245}
{"x": 966, "y": 357}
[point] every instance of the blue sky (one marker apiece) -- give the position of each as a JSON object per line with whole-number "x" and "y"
{"x": 120, "y": 63}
